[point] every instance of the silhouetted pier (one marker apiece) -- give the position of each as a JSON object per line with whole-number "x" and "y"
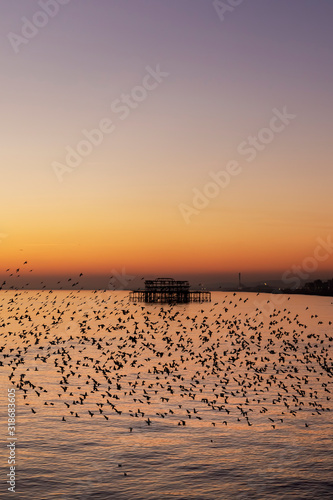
{"x": 168, "y": 290}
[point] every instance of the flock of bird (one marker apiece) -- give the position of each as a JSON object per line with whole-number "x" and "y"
{"x": 94, "y": 355}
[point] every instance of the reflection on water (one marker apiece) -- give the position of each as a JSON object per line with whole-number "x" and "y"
{"x": 202, "y": 401}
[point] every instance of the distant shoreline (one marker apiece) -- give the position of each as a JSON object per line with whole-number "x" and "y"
{"x": 279, "y": 292}
{"x": 229, "y": 290}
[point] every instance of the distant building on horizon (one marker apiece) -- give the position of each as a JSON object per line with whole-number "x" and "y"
{"x": 319, "y": 287}
{"x": 240, "y": 285}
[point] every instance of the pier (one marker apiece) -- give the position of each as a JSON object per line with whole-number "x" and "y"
{"x": 168, "y": 290}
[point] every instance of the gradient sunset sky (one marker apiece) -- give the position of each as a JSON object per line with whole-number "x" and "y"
{"x": 120, "y": 208}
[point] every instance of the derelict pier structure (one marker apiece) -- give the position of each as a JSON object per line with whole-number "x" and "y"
{"x": 168, "y": 290}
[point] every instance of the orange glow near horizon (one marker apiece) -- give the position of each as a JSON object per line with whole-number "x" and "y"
{"x": 175, "y": 248}
{"x": 119, "y": 206}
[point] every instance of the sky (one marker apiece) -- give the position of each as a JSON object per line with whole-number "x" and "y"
{"x": 166, "y": 138}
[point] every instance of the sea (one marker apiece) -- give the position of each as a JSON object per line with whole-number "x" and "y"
{"x": 102, "y": 398}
